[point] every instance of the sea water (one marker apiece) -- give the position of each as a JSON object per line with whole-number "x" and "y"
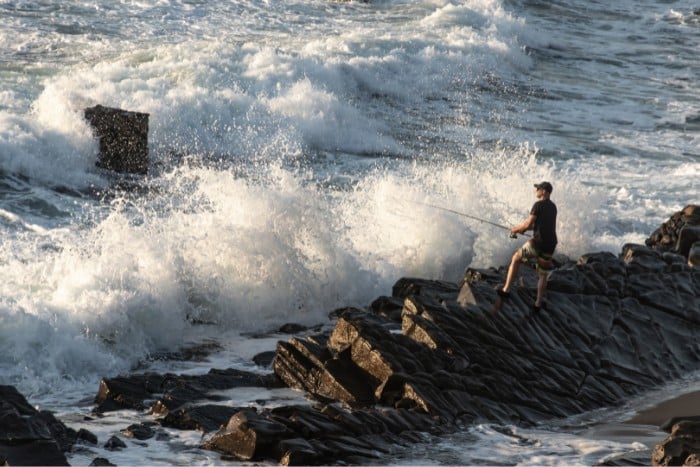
{"x": 297, "y": 149}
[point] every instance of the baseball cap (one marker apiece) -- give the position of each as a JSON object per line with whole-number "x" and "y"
{"x": 546, "y": 186}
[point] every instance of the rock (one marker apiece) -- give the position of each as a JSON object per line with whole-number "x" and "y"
{"x": 301, "y": 435}
{"x": 264, "y": 359}
{"x": 687, "y": 237}
{"x": 131, "y": 392}
{"x": 114, "y": 444}
{"x": 204, "y": 418}
{"x": 247, "y": 436}
{"x": 304, "y": 364}
{"x": 669, "y": 424}
{"x": 126, "y": 392}
{"x": 123, "y": 137}
{"x": 28, "y": 436}
{"x": 86, "y": 436}
{"x": 292, "y": 328}
{"x": 101, "y": 462}
{"x": 297, "y": 451}
{"x": 140, "y": 431}
{"x": 681, "y": 447}
{"x": 679, "y": 232}
{"x": 694, "y": 254}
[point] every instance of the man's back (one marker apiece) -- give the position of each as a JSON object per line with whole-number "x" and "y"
{"x": 545, "y": 230}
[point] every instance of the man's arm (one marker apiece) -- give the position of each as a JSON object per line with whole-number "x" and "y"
{"x": 525, "y": 226}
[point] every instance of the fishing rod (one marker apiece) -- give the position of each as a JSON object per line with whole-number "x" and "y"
{"x": 500, "y": 226}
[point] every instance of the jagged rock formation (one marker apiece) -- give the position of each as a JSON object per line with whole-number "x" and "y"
{"x": 452, "y": 355}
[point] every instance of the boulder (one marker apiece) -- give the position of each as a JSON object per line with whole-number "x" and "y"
{"x": 203, "y": 418}
{"x": 694, "y": 255}
{"x": 247, "y": 436}
{"x": 679, "y": 232}
{"x": 681, "y": 447}
{"x": 123, "y": 138}
{"x": 29, "y": 436}
{"x": 687, "y": 236}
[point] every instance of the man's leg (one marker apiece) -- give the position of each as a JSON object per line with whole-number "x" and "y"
{"x": 513, "y": 269}
{"x": 544, "y": 268}
{"x": 541, "y": 289}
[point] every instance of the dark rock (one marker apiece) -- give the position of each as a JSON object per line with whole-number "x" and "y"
{"x": 114, "y": 444}
{"x": 640, "y": 259}
{"x": 306, "y": 365}
{"x": 11, "y": 396}
{"x": 28, "y": 436}
{"x": 204, "y": 418}
{"x": 123, "y": 137}
{"x": 681, "y": 447}
{"x": 126, "y": 392}
{"x": 635, "y": 458}
{"x": 424, "y": 287}
{"x": 131, "y": 392}
{"x": 264, "y": 359}
{"x": 101, "y": 461}
{"x": 694, "y": 254}
{"x": 388, "y": 307}
{"x": 86, "y": 436}
{"x": 292, "y": 328}
{"x": 139, "y": 431}
{"x": 64, "y": 436}
{"x": 687, "y": 236}
{"x": 679, "y": 232}
{"x": 248, "y": 435}
{"x": 195, "y": 352}
{"x": 39, "y": 452}
{"x": 668, "y": 425}
{"x": 297, "y": 451}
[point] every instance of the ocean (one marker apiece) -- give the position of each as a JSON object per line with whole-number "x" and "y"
{"x": 297, "y": 149}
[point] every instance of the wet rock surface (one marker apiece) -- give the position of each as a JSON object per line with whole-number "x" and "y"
{"x": 29, "y": 436}
{"x": 682, "y": 446}
{"x": 431, "y": 358}
{"x": 679, "y": 234}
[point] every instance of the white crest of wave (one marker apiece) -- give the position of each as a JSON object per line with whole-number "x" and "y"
{"x": 328, "y": 123}
{"x": 48, "y": 153}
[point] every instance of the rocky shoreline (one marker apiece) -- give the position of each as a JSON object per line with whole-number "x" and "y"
{"x": 433, "y": 357}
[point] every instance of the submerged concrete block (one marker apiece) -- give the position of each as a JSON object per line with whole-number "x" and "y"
{"x": 123, "y": 137}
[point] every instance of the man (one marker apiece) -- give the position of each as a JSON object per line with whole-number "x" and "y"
{"x": 540, "y": 248}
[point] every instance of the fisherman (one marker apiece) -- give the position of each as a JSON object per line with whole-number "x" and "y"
{"x": 540, "y": 248}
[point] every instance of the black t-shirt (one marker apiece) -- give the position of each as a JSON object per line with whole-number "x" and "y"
{"x": 545, "y": 229}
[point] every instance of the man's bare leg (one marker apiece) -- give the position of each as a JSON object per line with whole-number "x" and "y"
{"x": 512, "y": 270}
{"x": 541, "y": 289}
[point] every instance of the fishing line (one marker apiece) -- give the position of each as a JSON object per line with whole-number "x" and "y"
{"x": 500, "y": 226}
